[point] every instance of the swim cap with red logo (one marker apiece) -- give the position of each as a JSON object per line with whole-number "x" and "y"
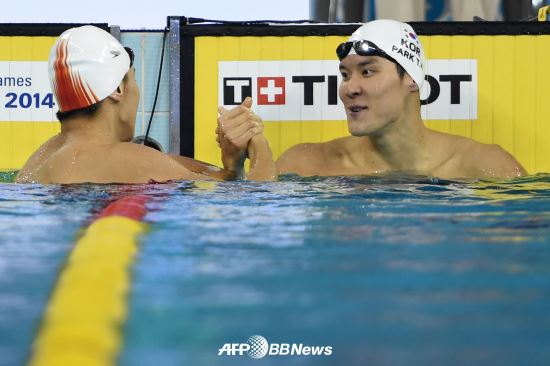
{"x": 399, "y": 41}
{"x": 85, "y": 66}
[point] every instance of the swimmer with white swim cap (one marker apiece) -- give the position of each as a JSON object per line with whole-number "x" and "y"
{"x": 383, "y": 68}
{"x": 93, "y": 80}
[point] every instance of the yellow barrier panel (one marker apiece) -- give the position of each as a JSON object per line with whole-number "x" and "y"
{"x": 281, "y": 135}
{"x": 19, "y": 138}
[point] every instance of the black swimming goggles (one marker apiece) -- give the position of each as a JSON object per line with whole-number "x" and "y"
{"x": 363, "y": 48}
{"x": 131, "y": 55}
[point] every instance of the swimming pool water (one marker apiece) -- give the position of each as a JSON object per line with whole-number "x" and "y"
{"x": 388, "y": 270}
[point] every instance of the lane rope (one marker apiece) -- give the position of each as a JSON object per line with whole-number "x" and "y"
{"x": 88, "y": 306}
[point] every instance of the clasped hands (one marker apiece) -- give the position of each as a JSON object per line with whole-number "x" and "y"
{"x": 239, "y": 129}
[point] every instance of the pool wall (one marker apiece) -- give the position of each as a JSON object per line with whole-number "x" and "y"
{"x": 148, "y": 54}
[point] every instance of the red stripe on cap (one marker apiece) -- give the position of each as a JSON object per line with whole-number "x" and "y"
{"x": 132, "y": 207}
{"x": 69, "y": 89}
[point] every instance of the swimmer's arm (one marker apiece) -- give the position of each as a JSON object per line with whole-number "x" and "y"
{"x": 492, "y": 161}
{"x": 135, "y": 163}
{"x": 262, "y": 167}
{"x": 201, "y": 167}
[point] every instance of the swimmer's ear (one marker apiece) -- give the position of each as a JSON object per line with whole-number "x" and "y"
{"x": 118, "y": 93}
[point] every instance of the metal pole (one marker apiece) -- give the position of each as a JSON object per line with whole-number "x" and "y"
{"x": 174, "y": 50}
{"x": 518, "y": 9}
{"x": 319, "y": 10}
{"x": 332, "y": 10}
{"x": 353, "y": 11}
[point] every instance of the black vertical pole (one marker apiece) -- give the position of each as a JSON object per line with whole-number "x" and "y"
{"x": 187, "y": 94}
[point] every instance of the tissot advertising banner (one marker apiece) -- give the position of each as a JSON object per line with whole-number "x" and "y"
{"x": 308, "y": 90}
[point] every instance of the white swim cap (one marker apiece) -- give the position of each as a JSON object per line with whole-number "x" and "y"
{"x": 85, "y": 66}
{"x": 399, "y": 41}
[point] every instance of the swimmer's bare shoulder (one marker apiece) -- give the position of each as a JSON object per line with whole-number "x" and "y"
{"x": 307, "y": 159}
{"x": 134, "y": 163}
{"x": 489, "y": 161}
{"x": 29, "y": 171}
{"x": 121, "y": 162}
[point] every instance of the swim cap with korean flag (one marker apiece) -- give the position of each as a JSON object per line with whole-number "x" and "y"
{"x": 86, "y": 64}
{"x": 399, "y": 41}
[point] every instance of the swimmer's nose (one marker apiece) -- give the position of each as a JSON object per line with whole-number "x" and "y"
{"x": 353, "y": 86}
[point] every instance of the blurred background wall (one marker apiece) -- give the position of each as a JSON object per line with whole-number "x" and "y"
{"x": 423, "y": 10}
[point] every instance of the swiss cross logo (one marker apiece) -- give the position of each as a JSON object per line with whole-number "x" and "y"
{"x": 271, "y": 90}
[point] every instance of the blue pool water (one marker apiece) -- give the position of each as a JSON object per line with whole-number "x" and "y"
{"x": 386, "y": 270}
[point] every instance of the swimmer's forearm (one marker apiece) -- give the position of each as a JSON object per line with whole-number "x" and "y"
{"x": 207, "y": 169}
{"x": 234, "y": 167}
{"x": 262, "y": 166}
